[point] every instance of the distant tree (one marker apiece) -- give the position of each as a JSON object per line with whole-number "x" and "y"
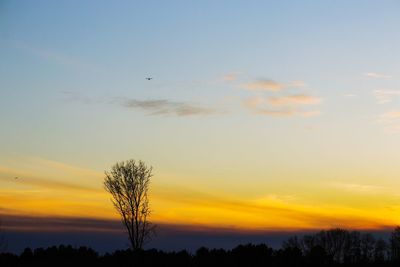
{"x": 128, "y": 182}
{"x": 3, "y": 242}
{"x": 352, "y": 249}
{"x": 367, "y": 247}
{"x": 292, "y": 243}
{"x": 307, "y": 243}
{"x": 318, "y": 257}
{"x": 333, "y": 241}
{"x": 395, "y": 244}
{"x": 380, "y": 251}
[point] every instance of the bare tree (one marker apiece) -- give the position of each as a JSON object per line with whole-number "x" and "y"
{"x": 128, "y": 183}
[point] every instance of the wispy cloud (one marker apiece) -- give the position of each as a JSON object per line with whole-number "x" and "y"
{"x": 284, "y": 106}
{"x": 264, "y": 85}
{"x": 231, "y": 76}
{"x": 390, "y": 121}
{"x": 375, "y": 75}
{"x": 385, "y": 96}
{"x": 48, "y": 183}
{"x": 57, "y": 57}
{"x": 359, "y": 188}
{"x": 292, "y": 100}
{"x": 390, "y": 116}
{"x": 287, "y": 112}
{"x": 48, "y": 174}
{"x": 60, "y": 224}
{"x": 296, "y": 84}
{"x": 167, "y": 107}
{"x": 350, "y": 95}
{"x": 253, "y": 102}
{"x": 270, "y": 85}
{"x": 153, "y": 107}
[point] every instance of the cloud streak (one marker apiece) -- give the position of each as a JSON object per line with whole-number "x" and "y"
{"x": 50, "y": 184}
{"x": 166, "y": 107}
{"x": 264, "y": 85}
{"x": 283, "y": 106}
{"x": 57, "y": 57}
{"x": 385, "y": 96}
{"x": 294, "y": 100}
{"x": 231, "y": 76}
{"x": 390, "y": 116}
{"x": 391, "y": 121}
{"x": 271, "y": 85}
{"x": 293, "y": 105}
{"x": 152, "y": 107}
{"x": 60, "y": 224}
{"x": 375, "y": 75}
{"x": 287, "y": 113}
{"x": 275, "y": 208}
{"x": 349, "y": 95}
{"x": 359, "y": 188}
{"x": 296, "y": 84}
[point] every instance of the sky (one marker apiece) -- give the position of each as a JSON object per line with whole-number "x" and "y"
{"x": 261, "y": 117}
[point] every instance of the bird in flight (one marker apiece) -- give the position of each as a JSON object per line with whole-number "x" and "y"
{"x": 149, "y": 78}
{"x": 16, "y": 177}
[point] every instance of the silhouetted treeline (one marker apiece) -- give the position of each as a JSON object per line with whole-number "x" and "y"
{"x": 336, "y": 247}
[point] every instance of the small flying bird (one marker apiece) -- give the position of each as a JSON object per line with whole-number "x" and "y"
{"x": 149, "y": 78}
{"x": 16, "y": 177}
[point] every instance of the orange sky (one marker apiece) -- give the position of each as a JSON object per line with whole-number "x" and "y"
{"x": 48, "y": 188}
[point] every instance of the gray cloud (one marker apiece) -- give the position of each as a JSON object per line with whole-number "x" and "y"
{"x": 167, "y": 107}
{"x": 153, "y": 107}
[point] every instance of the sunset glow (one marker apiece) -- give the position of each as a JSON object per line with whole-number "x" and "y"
{"x": 257, "y": 118}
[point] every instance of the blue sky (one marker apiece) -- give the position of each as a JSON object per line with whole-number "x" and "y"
{"x": 271, "y": 103}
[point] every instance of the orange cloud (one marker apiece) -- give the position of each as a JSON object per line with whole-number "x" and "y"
{"x": 231, "y": 76}
{"x": 288, "y": 105}
{"x": 391, "y": 121}
{"x": 389, "y": 117}
{"x": 270, "y": 85}
{"x": 287, "y": 113}
{"x": 253, "y": 102}
{"x": 294, "y": 100}
{"x": 264, "y": 85}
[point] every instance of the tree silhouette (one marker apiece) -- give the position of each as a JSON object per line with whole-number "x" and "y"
{"x": 367, "y": 247}
{"x": 3, "y": 242}
{"x": 320, "y": 252}
{"x": 395, "y": 244}
{"x": 380, "y": 250}
{"x": 128, "y": 183}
